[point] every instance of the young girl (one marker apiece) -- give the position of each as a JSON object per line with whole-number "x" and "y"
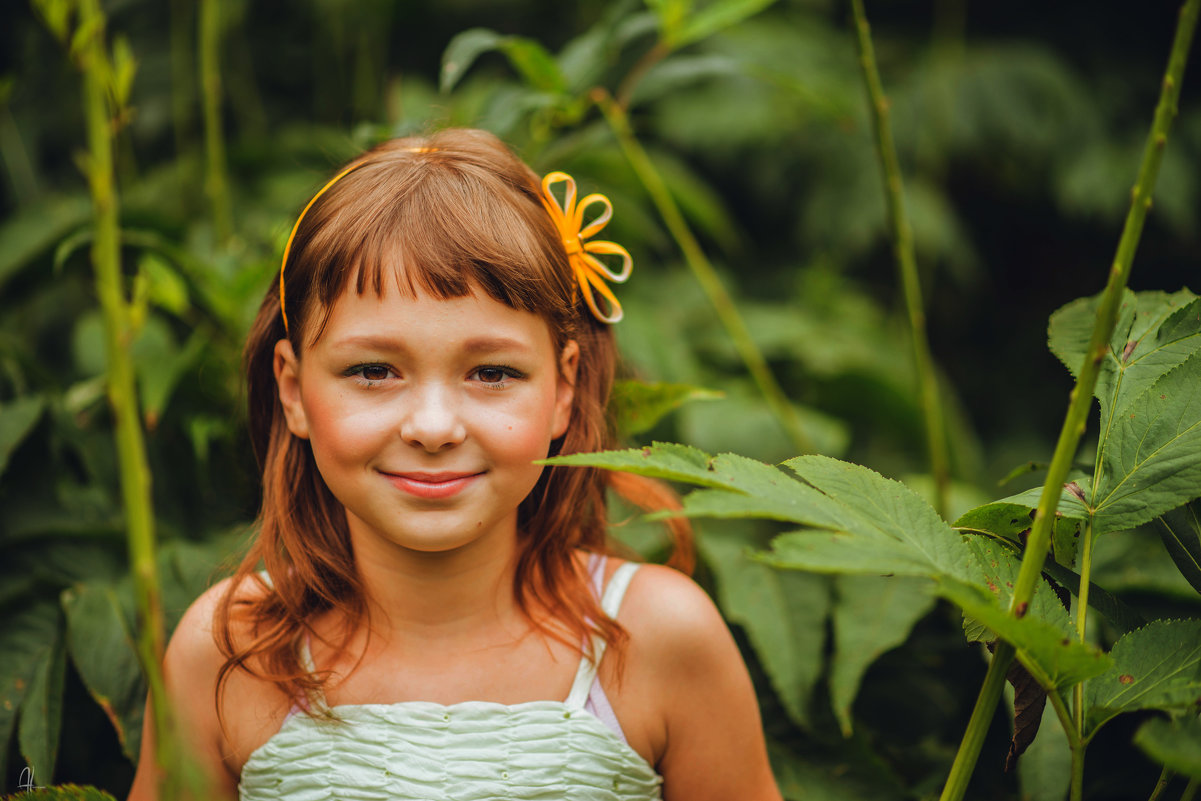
{"x": 439, "y": 616}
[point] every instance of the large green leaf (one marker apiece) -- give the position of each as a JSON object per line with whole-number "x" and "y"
{"x": 872, "y": 615}
{"x": 1155, "y": 667}
{"x": 26, "y": 644}
{"x": 1148, "y": 462}
{"x": 783, "y": 613}
{"x": 42, "y": 712}
{"x": 857, "y": 522}
{"x": 17, "y": 419}
{"x": 1181, "y": 533}
{"x": 1174, "y": 743}
{"x": 103, "y": 652}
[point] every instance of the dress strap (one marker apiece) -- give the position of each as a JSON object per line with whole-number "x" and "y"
{"x": 610, "y": 604}
{"x": 315, "y": 699}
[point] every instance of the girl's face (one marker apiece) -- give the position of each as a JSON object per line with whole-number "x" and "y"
{"x": 425, "y": 415}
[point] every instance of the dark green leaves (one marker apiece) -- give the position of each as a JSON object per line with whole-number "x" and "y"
{"x": 1155, "y": 667}
{"x": 1181, "y": 533}
{"x": 638, "y": 405}
{"x": 531, "y": 60}
{"x": 1174, "y": 743}
{"x": 17, "y": 419}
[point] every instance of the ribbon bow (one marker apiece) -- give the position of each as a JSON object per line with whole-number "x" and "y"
{"x": 590, "y": 272}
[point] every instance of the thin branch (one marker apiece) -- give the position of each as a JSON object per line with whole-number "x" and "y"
{"x": 706, "y": 276}
{"x": 903, "y": 250}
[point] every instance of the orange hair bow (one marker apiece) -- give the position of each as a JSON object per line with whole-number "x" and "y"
{"x": 590, "y": 272}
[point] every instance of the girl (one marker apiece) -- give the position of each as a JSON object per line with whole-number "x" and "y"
{"x": 440, "y": 617}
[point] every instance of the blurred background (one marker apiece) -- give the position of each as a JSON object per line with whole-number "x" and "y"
{"x": 1019, "y": 128}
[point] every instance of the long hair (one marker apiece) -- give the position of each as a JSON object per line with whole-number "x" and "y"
{"x": 446, "y": 215}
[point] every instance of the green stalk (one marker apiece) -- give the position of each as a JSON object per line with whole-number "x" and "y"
{"x": 1086, "y": 564}
{"x": 1190, "y": 790}
{"x": 1165, "y": 778}
{"x": 122, "y": 391}
{"x": 903, "y": 251}
{"x": 706, "y": 276}
{"x": 1039, "y": 541}
{"x": 215, "y": 184}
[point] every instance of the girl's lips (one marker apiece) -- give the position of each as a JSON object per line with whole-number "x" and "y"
{"x": 431, "y": 486}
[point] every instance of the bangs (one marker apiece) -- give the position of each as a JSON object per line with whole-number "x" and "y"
{"x": 434, "y": 224}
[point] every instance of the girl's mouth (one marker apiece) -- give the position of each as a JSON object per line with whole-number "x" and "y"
{"x": 432, "y": 486}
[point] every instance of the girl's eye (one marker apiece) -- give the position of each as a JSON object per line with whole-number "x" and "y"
{"x": 495, "y": 375}
{"x": 370, "y": 372}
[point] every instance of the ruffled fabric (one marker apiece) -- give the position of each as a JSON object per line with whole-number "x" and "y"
{"x": 476, "y": 750}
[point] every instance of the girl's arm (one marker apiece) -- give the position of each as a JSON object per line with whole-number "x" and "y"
{"x": 682, "y": 652}
{"x": 190, "y": 668}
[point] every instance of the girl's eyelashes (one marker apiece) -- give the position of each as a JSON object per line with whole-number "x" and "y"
{"x": 496, "y": 376}
{"x": 492, "y": 376}
{"x": 370, "y": 373}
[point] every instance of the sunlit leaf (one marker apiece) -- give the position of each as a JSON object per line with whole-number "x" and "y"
{"x": 1148, "y": 460}
{"x": 462, "y": 52}
{"x": 711, "y": 18}
{"x": 1155, "y": 667}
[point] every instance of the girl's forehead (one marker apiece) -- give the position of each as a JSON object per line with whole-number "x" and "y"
{"x": 414, "y": 314}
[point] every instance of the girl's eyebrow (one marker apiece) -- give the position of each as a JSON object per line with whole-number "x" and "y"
{"x": 483, "y": 344}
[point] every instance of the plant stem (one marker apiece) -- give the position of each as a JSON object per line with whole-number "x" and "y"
{"x": 1190, "y": 790}
{"x": 706, "y": 276}
{"x": 215, "y": 183}
{"x": 982, "y": 713}
{"x": 122, "y": 392}
{"x": 1039, "y": 540}
{"x": 1086, "y": 564}
{"x": 1165, "y": 778}
{"x": 903, "y": 251}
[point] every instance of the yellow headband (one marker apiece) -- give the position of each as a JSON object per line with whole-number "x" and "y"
{"x": 568, "y": 219}
{"x": 590, "y": 272}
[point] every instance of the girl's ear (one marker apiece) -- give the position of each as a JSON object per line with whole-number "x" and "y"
{"x": 569, "y": 364}
{"x": 287, "y": 380}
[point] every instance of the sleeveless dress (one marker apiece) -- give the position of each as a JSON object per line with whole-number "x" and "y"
{"x": 571, "y": 750}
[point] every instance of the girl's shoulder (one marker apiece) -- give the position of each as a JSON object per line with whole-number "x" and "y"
{"x": 669, "y": 609}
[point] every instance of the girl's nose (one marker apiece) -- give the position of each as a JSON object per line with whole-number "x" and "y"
{"x": 431, "y": 419}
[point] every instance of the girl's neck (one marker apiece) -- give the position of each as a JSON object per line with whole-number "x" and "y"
{"x": 415, "y": 596}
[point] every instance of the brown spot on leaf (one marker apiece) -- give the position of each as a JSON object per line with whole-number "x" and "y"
{"x": 1126, "y": 678}
{"x": 1130, "y": 346}
{"x": 993, "y": 587}
{"x": 1074, "y": 488}
{"x": 19, "y": 684}
{"x": 1021, "y": 609}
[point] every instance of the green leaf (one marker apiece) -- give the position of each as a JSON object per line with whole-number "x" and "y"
{"x": 1155, "y": 667}
{"x": 880, "y": 512}
{"x": 1181, "y": 533}
{"x": 1174, "y": 743}
{"x": 42, "y": 712}
{"x": 462, "y": 52}
{"x": 1155, "y": 332}
{"x": 1011, "y": 517}
{"x": 783, "y": 614}
{"x": 531, "y": 60}
{"x": 872, "y": 615}
{"x": 671, "y": 15}
{"x": 23, "y": 650}
{"x": 1148, "y": 461}
{"x": 638, "y": 405}
{"x": 17, "y": 420}
{"x": 713, "y": 17}
{"x": 33, "y": 231}
{"x": 103, "y": 652}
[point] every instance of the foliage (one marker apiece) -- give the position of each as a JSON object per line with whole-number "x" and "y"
{"x": 1017, "y": 148}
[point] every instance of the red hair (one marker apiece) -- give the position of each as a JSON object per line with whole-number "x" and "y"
{"x": 445, "y": 215}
